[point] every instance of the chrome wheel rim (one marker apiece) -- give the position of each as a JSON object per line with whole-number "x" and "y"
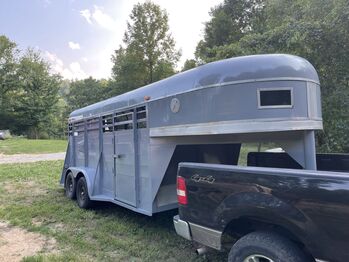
{"x": 69, "y": 184}
{"x": 82, "y": 193}
{"x": 257, "y": 258}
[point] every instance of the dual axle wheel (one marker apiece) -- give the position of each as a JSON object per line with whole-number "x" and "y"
{"x": 77, "y": 189}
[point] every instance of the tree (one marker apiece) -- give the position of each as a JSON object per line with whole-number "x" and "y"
{"x": 36, "y": 100}
{"x": 8, "y": 79}
{"x": 149, "y": 53}
{"x": 317, "y": 30}
{"x": 230, "y": 21}
{"x": 8, "y": 65}
{"x": 189, "y": 64}
{"x": 86, "y": 92}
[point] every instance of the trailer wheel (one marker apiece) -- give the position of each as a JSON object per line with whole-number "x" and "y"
{"x": 70, "y": 186}
{"x": 82, "y": 197}
{"x": 262, "y": 246}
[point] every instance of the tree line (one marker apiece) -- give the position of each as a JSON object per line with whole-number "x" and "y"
{"x": 29, "y": 99}
{"x": 36, "y": 103}
{"x": 317, "y": 30}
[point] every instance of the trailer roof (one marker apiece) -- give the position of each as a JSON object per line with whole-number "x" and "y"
{"x": 229, "y": 71}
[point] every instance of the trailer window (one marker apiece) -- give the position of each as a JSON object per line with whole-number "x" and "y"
{"x": 107, "y": 122}
{"x": 275, "y": 98}
{"x": 93, "y": 124}
{"x": 70, "y": 129}
{"x": 141, "y": 114}
{"x": 79, "y": 126}
{"x": 123, "y": 120}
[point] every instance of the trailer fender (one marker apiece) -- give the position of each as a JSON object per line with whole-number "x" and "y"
{"x": 88, "y": 173}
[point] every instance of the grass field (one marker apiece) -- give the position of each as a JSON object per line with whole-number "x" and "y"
{"x": 31, "y": 146}
{"x": 30, "y": 197}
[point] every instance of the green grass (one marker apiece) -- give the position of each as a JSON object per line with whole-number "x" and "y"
{"x": 30, "y": 197}
{"x": 252, "y": 147}
{"x": 31, "y": 146}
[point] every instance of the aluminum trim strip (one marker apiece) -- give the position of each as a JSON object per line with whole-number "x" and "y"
{"x": 206, "y": 236}
{"x": 237, "y": 126}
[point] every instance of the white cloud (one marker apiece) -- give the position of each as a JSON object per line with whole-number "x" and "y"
{"x": 103, "y": 19}
{"x": 73, "y": 45}
{"x": 56, "y": 63}
{"x": 98, "y": 16}
{"x": 85, "y": 59}
{"x": 87, "y": 15}
{"x": 74, "y": 71}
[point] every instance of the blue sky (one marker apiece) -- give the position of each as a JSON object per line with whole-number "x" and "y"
{"x": 78, "y": 36}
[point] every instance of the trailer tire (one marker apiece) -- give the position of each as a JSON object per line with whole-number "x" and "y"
{"x": 266, "y": 246}
{"x": 70, "y": 186}
{"x": 82, "y": 196}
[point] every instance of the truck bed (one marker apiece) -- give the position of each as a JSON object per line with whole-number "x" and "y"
{"x": 312, "y": 205}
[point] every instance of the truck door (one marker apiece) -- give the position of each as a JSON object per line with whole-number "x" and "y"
{"x": 125, "y": 157}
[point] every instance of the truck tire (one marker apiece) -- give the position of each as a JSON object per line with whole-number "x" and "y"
{"x": 263, "y": 246}
{"x": 70, "y": 186}
{"x": 82, "y": 197}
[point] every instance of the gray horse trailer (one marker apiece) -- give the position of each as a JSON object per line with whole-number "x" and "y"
{"x": 127, "y": 148}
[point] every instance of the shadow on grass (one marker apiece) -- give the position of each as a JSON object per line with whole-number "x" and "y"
{"x": 160, "y": 222}
{"x": 163, "y": 219}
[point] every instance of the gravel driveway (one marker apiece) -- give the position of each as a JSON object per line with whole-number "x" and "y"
{"x": 26, "y": 158}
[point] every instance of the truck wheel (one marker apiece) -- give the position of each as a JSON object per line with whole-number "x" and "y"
{"x": 264, "y": 246}
{"x": 82, "y": 194}
{"x": 70, "y": 186}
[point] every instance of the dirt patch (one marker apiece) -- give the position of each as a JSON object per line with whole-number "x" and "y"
{"x": 17, "y": 243}
{"x": 27, "y": 158}
{"x": 53, "y": 225}
{"x": 37, "y": 222}
{"x": 20, "y": 192}
{"x": 10, "y": 188}
{"x": 14, "y": 188}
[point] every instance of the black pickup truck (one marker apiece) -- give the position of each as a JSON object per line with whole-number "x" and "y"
{"x": 270, "y": 210}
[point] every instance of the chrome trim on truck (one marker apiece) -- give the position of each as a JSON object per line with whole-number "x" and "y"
{"x": 182, "y": 227}
{"x": 206, "y": 236}
{"x": 203, "y": 235}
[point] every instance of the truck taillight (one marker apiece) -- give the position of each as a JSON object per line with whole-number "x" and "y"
{"x": 181, "y": 191}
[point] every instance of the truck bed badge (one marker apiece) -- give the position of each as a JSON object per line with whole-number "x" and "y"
{"x": 206, "y": 179}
